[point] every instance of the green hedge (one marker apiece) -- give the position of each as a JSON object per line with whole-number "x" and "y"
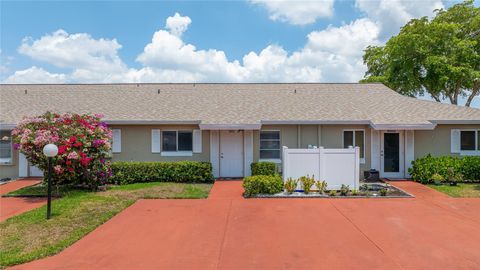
{"x": 263, "y": 168}
{"x": 180, "y": 172}
{"x": 262, "y": 184}
{"x": 423, "y": 168}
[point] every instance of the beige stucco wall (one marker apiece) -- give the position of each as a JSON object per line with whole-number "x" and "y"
{"x": 10, "y": 171}
{"x": 300, "y": 136}
{"x": 437, "y": 141}
{"x": 136, "y": 144}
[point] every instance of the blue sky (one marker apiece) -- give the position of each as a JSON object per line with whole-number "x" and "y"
{"x": 237, "y": 41}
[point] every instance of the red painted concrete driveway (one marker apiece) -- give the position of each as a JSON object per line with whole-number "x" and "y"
{"x": 10, "y": 207}
{"x": 226, "y": 231}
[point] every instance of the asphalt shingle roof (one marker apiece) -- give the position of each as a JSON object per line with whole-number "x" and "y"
{"x": 229, "y": 103}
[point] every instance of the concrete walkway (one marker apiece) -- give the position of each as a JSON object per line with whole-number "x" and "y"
{"x": 227, "y": 231}
{"x": 10, "y": 207}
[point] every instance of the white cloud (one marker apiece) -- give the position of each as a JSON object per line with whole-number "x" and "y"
{"x": 91, "y": 59}
{"x": 177, "y": 24}
{"x": 169, "y": 53}
{"x": 35, "y": 75}
{"x": 391, "y": 15}
{"x": 298, "y": 12}
{"x": 330, "y": 55}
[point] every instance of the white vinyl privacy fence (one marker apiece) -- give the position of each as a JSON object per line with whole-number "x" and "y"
{"x": 335, "y": 166}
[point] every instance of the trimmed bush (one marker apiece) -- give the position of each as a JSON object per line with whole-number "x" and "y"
{"x": 263, "y": 168}
{"x": 179, "y": 172}
{"x": 262, "y": 184}
{"x": 424, "y": 168}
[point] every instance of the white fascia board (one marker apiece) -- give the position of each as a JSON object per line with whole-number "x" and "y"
{"x": 456, "y": 122}
{"x": 230, "y": 126}
{"x": 316, "y": 122}
{"x": 7, "y": 126}
{"x": 403, "y": 127}
{"x": 150, "y": 122}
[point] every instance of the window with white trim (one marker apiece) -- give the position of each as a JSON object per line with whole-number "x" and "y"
{"x": 270, "y": 144}
{"x": 5, "y": 147}
{"x": 177, "y": 141}
{"x": 469, "y": 140}
{"x": 355, "y": 138}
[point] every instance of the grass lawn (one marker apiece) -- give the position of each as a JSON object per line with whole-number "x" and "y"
{"x": 30, "y": 236}
{"x": 460, "y": 191}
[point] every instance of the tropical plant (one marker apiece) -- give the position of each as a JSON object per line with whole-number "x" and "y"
{"x": 332, "y": 193}
{"x": 354, "y": 192}
{"x": 262, "y": 184}
{"x": 83, "y": 146}
{"x": 437, "y": 178}
{"x": 364, "y": 187}
{"x": 344, "y": 189}
{"x": 307, "y": 183}
{"x": 128, "y": 172}
{"x": 321, "y": 186}
{"x": 291, "y": 185}
{"x": 383, "y": 192}
{"x": 423, "y": 168}
{"x": 453, "y": 176}
{"x": 263, "y": 168}
{"x": 439, "y": 56}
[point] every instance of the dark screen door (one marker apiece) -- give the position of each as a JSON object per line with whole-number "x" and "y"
{"x": 391, "y": 161}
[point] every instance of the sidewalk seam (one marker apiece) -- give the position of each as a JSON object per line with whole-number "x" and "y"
{"x": 366, "y": 236}
{"x": 224, "y": 236}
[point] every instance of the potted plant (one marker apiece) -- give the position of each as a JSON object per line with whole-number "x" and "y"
{"x": 291, "y": 185}
{"x": 344, "y": 190}
{"x": 307, "y": 183}
{"x": 321, "y": 186}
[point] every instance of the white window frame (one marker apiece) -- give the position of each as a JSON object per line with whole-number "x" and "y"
{"x": 175, "y": 153}
{"x": 11, "y": 152}
{"x": 362, "y": 160}
{"x": 475, "y": 152}
{"x": 274, "y": 160}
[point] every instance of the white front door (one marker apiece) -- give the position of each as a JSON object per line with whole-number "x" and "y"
{"x": 392, "y": 154}
{"x": 231, "y": 153}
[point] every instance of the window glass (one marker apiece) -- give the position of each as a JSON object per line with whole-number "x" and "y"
{"x": 267, "y": 154}
{"x": 169, "y": 141}
{"x": 354, "y": 138}
{"x": 5, "y": 147}
{"x": 467, "y": 140}
{"x": 347, "y": 139}
{"x": 270, "y": 144}
{"x": 184, "y": 141}
{"x": 269, "y": 135}
{"x": 478, "y": 139}
{"x": 359, "y": 139}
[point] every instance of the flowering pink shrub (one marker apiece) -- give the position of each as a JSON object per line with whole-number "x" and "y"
{"x": 83, "y": 146}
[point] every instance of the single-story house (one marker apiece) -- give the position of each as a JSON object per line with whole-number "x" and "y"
{"x": 232, "y": 125}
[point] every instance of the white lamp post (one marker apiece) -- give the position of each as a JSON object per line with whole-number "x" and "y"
{"x": 50, "y": 150}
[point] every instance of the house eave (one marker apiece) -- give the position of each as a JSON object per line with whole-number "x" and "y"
{"x": 230, "y": 126}
{"x": 151, "y": 122}
{"x": 315, "y": 122}
{"x": 403, "y": 126}
{"x": 456, "y": 122}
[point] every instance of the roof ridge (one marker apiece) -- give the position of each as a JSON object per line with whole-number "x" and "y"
{"x": 194, "y": 83}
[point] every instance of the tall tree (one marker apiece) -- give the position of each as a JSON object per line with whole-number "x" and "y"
{"x": 439, "y": 56}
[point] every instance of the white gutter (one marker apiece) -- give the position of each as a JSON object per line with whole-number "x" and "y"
{"x": 150, "y": 122}
{"x": 7, "y": 126}
{"x": 230, "y": 126}
{"x": 456, "y": 122}
{"x": 316, "y": 122}
{"x": 403, "y": 126}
